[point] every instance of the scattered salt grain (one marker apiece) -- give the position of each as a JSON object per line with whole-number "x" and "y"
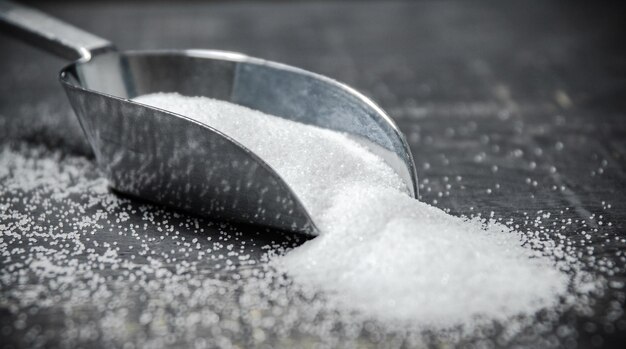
{"x": 80, "y": 265}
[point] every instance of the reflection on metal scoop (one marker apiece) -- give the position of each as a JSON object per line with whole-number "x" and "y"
{"x": 170, "y": 159}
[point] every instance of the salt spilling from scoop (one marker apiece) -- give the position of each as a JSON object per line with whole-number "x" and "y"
{"x": 381, "y": 253}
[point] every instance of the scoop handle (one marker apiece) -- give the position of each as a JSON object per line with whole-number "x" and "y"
{"x": 48, "y": 33}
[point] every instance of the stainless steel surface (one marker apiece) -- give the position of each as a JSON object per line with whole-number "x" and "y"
{"x": 49, "y": 33}
{"x": 170, "y": 159}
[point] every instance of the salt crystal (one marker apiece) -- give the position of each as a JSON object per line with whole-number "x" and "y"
{"x": 80, "y": 264}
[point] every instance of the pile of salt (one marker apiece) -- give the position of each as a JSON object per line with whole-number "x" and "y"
{"x": 381, "y": 253}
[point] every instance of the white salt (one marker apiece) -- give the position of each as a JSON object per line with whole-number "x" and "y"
{"x": 381, "y": 253}
{"x": 315, "y": 162}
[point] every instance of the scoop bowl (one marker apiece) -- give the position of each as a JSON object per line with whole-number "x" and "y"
{"x": 170, "y": 159}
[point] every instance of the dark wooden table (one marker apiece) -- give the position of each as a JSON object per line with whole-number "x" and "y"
{"x": 502, "y": 94}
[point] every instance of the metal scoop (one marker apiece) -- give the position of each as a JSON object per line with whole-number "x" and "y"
{"x": 170, "y": 159}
